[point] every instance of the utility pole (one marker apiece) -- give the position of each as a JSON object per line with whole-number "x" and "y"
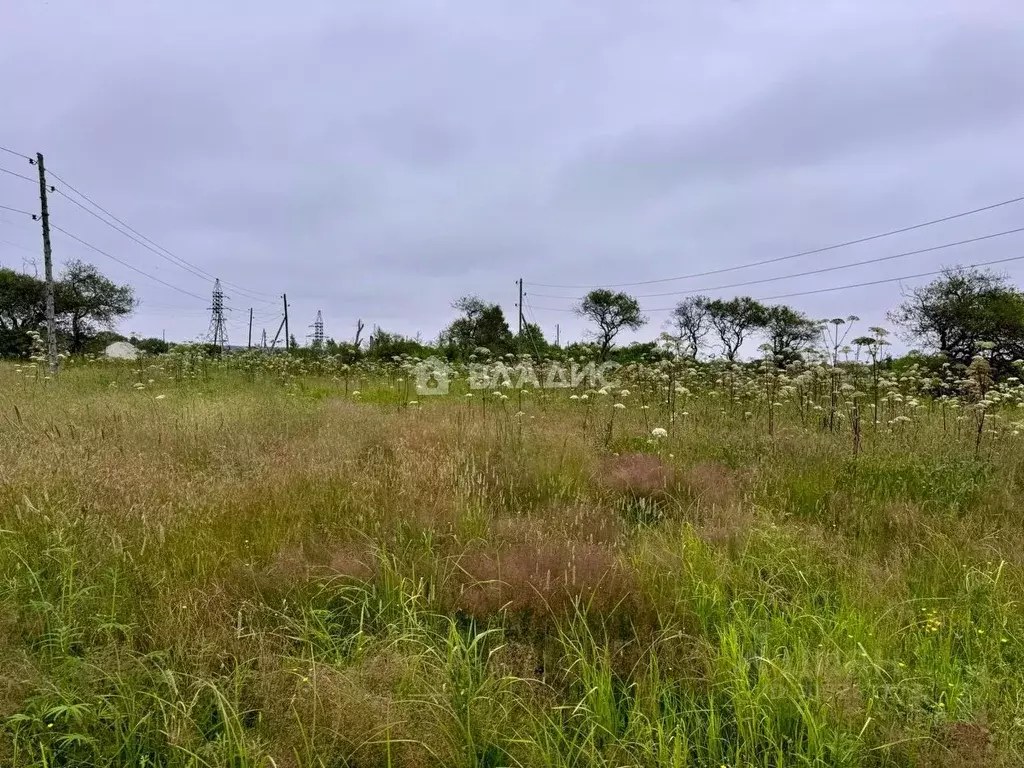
{"x": 520, "y": 305}
{"x": 557, "y": 339}
{"x": 263, "y": 342}
{"x": 287, "y": 337}
{"x": 51, "y": 319}
{"x": 249, "y": 345}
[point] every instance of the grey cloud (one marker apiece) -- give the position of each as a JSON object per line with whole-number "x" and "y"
{"x": 877, "y": 98}
{"x": 379, "y": 160}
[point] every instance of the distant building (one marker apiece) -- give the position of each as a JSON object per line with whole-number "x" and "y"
{"x": 121, "y": 350}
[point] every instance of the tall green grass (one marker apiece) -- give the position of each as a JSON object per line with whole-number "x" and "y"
{"x": 262, "y": 570}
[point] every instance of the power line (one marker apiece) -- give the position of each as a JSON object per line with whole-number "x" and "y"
{"x": 833, "y": 288}
{"x": 171, "y": 308}
{"x": 881, "y": 282}
{"x": 16, "y": 225}
{"x": 16, "y": 245}
{"x": 823, "y": 270}
{"x": 185, "y": 264}
{"x": 529, "y": 330}
{"x": 811, "y": 252}
{"x": 16, "y": 154}
{"x": 17, "y": 210}
{"x": 556, "y": 309}
{"x": 20, "y": 176}
{"x": 131, "y": 237}
{"x": 126, "y": 264}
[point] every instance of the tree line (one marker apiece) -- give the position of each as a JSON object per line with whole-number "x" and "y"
{"x": 952, "y": 317}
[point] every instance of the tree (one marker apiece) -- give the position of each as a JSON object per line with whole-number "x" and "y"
{"x": 346, "y": 351}
{"x": 611, "y": 312}
{"x": 97, "y": 345}
{"x": 689, "y": 324}
{"x": 733, "y": 320}
{"x": 788, "y": 331}
{"x": 384, "y": 345}
{"x": 958, "y": 311}
{"x": 153, "y": 346}
{"x": 636, "y": 352}
{"x": 481, "y": 325}
{"x": 87, "y": 302}
{"x": 22, "y": 309}
{"x": 531, "y": 341}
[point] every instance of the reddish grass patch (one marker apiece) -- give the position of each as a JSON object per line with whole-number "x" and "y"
{"x": 712, "y": 485}
{"x": 353, "y": 563}
{"x": 590, "y": 523}
{"x": 970, "y": 746}
{"x": 542, "y": 577}
{"x": 637, "y": 474}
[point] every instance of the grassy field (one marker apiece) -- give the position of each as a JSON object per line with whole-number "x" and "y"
{"x": 259, "y": 567}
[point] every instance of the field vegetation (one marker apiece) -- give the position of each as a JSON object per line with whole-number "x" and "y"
{"x": 276, "y": 560}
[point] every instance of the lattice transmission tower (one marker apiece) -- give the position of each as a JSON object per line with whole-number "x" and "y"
{"x": 318, "y": 330}
{"x": 218, "y": 334}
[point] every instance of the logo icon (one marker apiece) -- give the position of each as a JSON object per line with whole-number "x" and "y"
{"x": 432, "y": 376}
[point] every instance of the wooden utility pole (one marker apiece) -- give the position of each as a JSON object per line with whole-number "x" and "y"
{"x": 288, "y": 338}
{"x": 51, "y": 319}
{"x": 520, "y": 305}
{"x": 249, "y": 345}
{"x": 277, "y": 335}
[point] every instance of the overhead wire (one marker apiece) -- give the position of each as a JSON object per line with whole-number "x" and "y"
{"x": 810, "y": 292}
{"x": 16, "y": 245}
{"x": 931, "y": 273}
{"x": 16, "y": 225}
{"x": 184, "y": 263}
{"x": 16, "y": 154}
{"x": 126, "y": 264}
{"x": 810, "y": 252}
{"x": 19, "y": 175}
{"x": 131, "y": 237}
{"x": 807, "y": 273}
{"x": 529, "y": 331}
{"x": 18, "y": 210}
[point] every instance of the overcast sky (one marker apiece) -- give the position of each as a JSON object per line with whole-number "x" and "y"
{"x": 377, "y": 160}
